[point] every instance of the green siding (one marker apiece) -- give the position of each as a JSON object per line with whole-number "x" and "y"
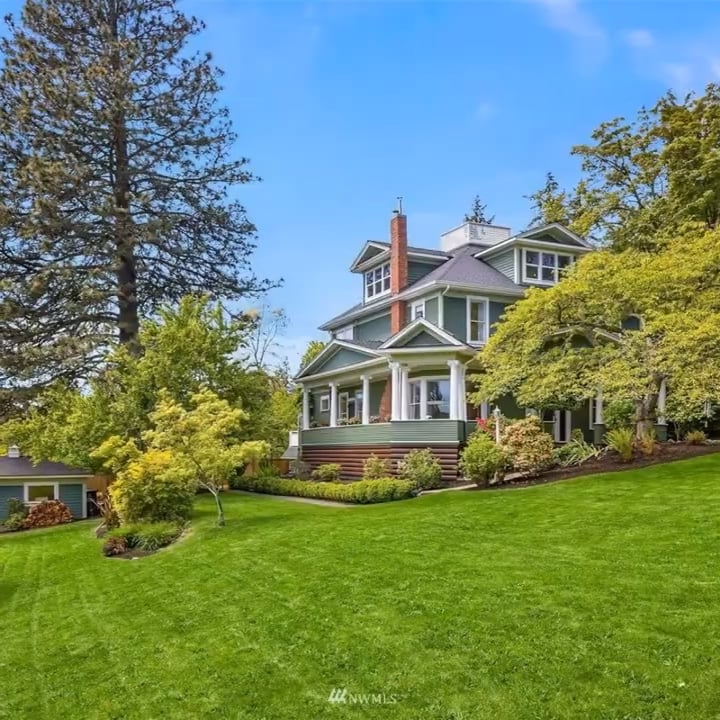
{"x": 376, "y": 392}
{"x": 342, "y": 358}
{"x": 375, "y": 329}
{"x": 505, "y": 263}
{"x": 497, "y": 309}
{"x": 399, "y": 432}
{"x": 432, "y": 310}
{"x": 422, "y": 339}
{"x": 315, "y": 415}
{"x": 7, "y": 492}
{"x": 72, "y": 495}
{"x": 418, "y": 270}
{"x": 455, "y": 316}
{"x": 508, "y": 407}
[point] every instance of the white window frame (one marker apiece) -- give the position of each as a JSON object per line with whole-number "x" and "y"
{"x": 419, "y": 305}
{"x": 486, "y": 320}
{"x": 324, "y": 403}
{"x": 593, "y": 413}
{"x": 556, "y": 270}
{"x": 27, "y": 485}
{"x": 367, "y": 285}
{"x": 424, "y": 402}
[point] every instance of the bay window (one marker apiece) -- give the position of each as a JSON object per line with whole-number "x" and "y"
{"x": 377, "y": 281}
{"x": 544, "y": 268}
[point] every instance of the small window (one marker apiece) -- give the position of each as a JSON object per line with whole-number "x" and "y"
{"x": 377, "y": 281}
{"x": 324, "y": 403}
{"x": 477, "y": 330}
{"x": 418, "y": 310}
{"x": 545, "y": 267}
{"x": 39, "y": 493}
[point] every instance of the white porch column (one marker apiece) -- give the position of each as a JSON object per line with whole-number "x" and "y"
{"x": 454, "y": 388}
{"x": 404, "y": 392}
{"x": 423, "y": 400}
{"x": 662, "y": 399}
{"x": 365, "y": 399}
{"x": 462, "y": 394}
{"x": 599, "y": 419}
{"x": 305, "y": 408}
{"x": 333, "y": 404}
{"x": 395, "y": 396}
{"x": 484, "y": 410}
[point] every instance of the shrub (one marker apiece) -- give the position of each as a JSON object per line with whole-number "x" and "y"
{"x": 621, "y": 441}
{"x": 695, "y": 437}
{"x": 375, "y": 468}
{"x": 362, "y": 491}
{"x": 153, "y": 489}
{"x": 47, "y": 514}
{"x": 619, "y": 415}
{"x": 330, "y": 472}
{"x": 576, "y": 451}
{"x": 114, "y": 546}
{"x": 15, "y": 521}
{"x": 482, "y": 460}
{"x": 147, "y": 536}
{"x": 528, "y": 446}
{"x": 422, "y": 468}
{"x": 17, "y": 507}
{"x": 646, "y": 441}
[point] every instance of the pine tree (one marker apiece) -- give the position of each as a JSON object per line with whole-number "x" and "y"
{"x": 116, "y": 177}
{"x": 477, "y": 213}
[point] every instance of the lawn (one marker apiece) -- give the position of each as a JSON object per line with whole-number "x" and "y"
{"x": 591, "y": 598}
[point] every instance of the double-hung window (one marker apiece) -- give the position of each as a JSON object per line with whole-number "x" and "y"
{"x": 544, "y": 268}
{"x": 377, "y": 281}
{"x": 477, "y": 320}
{"x": 324, "y": 403}
{"x": 418, "y": 310}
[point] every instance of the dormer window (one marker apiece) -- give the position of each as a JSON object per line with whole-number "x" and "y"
{"x": 377, "y": 281}
{"x": 544, "y": 268}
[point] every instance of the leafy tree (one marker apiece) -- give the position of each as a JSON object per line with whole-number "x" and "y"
{"x": 202, "y": 440}
{"x": 478, "y": 211}
{"x": 616, "y": 322}
{"x": 117, "y": 166}
{"x": 314, "y": 348}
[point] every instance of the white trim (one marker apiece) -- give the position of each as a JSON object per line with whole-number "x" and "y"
{"x": 431, "y": 349}
{"x": 419, "y": 325}
{"x": 347, "y": 370}
{"x": 345, "y": 394}
{"x": 516, "y": 265}
{"x": 568, "y": 426}
{"x": 556, "y": 268}
{"x": 324, "y": 403}
{"x": 334, "y": 345}
{"x": 477, "y": 299}
{"x": 414, "y": 307}
{"x": 365, "y": 379}
{"x": 305, "y": 408}
{"x": 557, "y": 226}
{"x": 383, "y": 290}
{"x": 360, "y": 265}
{"x": 423, "y": 381}
{"x": 333, "y": 404}
{"x": 592, "y": 413}
{"x": 37, "y": 478}
{"x": 38, "y": 483}
{"x": 369, "y": 244}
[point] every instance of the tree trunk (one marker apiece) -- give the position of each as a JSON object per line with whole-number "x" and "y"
{"x": 126, "y": 269}
{"x": 644, "y": 420}
{"x": 220, "y": 511}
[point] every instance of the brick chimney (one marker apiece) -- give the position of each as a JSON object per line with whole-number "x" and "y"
{"x": 398, "y": 268}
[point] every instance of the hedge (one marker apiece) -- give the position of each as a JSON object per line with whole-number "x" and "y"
{"x": 363, "y": 492}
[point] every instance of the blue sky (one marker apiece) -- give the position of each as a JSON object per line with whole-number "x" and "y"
{"x": 342, "y": 106}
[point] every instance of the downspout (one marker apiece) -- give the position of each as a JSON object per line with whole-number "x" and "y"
{"x": 441, "y": 307}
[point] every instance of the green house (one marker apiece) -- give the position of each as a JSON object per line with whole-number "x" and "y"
{"x": 393, "y": 374}
{"x": 22, "y": 480}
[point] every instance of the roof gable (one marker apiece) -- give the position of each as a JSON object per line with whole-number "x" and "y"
{"x": 421, "y": 333}
{"x": 338, "y": 354}
{"x": 555, "y": 232}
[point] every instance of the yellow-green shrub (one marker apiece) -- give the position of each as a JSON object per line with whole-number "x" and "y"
{"x": 695, "y": 437}
{"x": 482, "y": 459}
{"x": 528, "y": 446}
{"x": 375, "y": 468}
{"x": 153, "y": 488}
{"x": 330, "y": 472}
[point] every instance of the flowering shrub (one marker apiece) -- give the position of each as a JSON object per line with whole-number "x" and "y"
{"x": 482, "y": 460}
{"x": 422, "y": 468}
{"x": 528, "y": 446}
{"x": 375, "y": 468}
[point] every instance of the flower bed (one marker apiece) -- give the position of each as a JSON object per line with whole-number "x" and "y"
{"x": 363, "y": 492}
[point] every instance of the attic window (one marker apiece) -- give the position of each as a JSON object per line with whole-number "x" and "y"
{"x": 544, "y": 268}
{"x": 377, "y": 281}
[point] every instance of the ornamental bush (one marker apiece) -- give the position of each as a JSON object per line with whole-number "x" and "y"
{"x": 375, "y": 468}
{"x": 330, "y": 472}
{"x": 147, "y": 536}
{"x": 153, "y": 488}
{"x": 695, "y": 437}
{"x": 527, "y": 445}
{"x": 482, "y": 460}
{"x": 422, "y": 468}
{"x": 363, "y": 492}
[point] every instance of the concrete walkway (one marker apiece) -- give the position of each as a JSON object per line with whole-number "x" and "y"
{"x": 292, "y": 498}
{"x": 467, "y": 486}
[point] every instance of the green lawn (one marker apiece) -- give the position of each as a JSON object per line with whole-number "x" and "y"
{"x": 592, "y": 598}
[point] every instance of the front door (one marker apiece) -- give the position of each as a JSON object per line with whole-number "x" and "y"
{"x": 562, "y": 426}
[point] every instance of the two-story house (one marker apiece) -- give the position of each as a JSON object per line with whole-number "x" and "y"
{"x": 393, "y": 376}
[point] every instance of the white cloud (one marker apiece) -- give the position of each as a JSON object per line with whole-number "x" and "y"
{"x": 639, "y": 38}
{"x": 570, "y": 17}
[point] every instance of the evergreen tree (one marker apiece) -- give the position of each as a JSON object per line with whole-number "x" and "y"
{"x": 477, "y": 213}
{"x": 116, "y": 171}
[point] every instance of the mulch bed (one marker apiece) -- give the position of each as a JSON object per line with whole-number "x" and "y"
{"x": 610, "y": 462}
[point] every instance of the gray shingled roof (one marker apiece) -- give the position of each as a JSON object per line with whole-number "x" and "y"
{"x": 12, "y": 467}
{"x": 464, "y": 268}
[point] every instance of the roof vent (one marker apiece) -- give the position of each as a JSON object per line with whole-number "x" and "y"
{"x": 14, "y": 451}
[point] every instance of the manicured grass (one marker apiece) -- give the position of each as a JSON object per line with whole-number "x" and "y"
{"x": 592, "y": 598}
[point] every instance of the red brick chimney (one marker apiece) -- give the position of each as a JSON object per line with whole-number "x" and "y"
{"x": 398, "y": 269}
